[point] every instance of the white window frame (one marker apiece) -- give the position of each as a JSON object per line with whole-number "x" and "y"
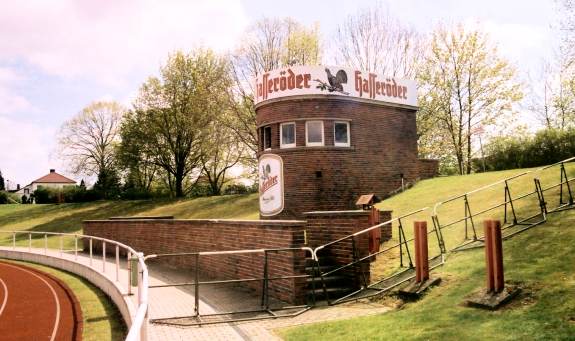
{"x": 314, "y": 144}
{"x": 340, "y": 144}
{"x": 288, "y": 145}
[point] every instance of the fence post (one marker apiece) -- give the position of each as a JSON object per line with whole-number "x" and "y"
{"x": 103, "y": 257}
{"x": 117, "y": 263}
{"x": 129, "y": 260}
{"x": 197, "y": 287}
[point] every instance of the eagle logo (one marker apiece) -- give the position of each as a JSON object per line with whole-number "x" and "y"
{"x": 334, "y": 83}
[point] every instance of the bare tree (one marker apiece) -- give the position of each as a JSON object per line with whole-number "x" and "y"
{"x": 373, "y": 41}
{"x": 267, "y": 45}
{"x": 87, "y": 140}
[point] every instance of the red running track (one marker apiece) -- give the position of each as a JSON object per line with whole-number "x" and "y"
{"x": 35, "y": 305}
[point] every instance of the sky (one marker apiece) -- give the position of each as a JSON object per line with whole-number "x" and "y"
{"x": 57, "y": 56}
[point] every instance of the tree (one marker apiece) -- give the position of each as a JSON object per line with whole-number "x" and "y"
{"x": 373, "y": 41}
{"x": 267, "y": 45}
{"x": 88, "y": 140}
{"x": 222, "y": 152}
{"x": 172, "y": 113}
{"x": 2, "y": 185}
{"x": 466, "y": 86}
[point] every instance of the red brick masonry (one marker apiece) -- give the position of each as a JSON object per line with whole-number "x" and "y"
{"x": 157, "y": 236}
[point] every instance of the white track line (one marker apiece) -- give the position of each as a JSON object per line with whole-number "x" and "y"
{"x": 57, "y": 322}
{"x": 5, "y": 296}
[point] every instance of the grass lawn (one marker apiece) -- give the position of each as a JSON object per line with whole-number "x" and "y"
{"x": 68, "y": 217}
{"x": 540, "y": 259}
{"x": 102, "y": 320}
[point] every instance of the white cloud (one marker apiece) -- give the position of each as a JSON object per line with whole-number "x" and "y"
{"x": 26, "y": 150}
{"x": 108, "y": 40}
{"x": 10, "y": 101}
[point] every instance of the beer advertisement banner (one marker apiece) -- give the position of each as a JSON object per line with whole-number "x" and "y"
{"x": 334, "y": 80}
{"x": 271, "y": 184}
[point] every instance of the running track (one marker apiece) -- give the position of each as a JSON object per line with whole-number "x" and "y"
{"x": 36, "y": 306}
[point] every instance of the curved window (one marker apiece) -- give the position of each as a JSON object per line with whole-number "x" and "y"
{"x": 314, "y": 133}
{"x": 287, "y": 135}
{"x": 341, "y": 134}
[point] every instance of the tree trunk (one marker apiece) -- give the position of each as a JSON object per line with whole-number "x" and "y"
{"x": 179, "y": 182}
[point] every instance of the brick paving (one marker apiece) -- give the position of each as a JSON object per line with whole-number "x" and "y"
{"x": 179, "y": 301}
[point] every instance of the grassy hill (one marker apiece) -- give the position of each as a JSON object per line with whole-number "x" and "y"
{"x": 540, "y": 260}
{"x": 69, "y": 217}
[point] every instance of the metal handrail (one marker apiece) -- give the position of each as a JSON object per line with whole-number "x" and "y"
{"x": 318, "y": 248}
{"x": 477, "y": 190}
{"x": 265, "y": 279}
{"x": 138, "y": 329}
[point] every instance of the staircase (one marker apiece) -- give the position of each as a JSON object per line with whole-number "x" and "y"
{"x": 336, "y": 285}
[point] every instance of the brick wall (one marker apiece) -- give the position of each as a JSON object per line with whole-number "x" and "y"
{"x": 383, "y": 146}
{"x": 173, "y": 236}
{"x": 428, "y": 168}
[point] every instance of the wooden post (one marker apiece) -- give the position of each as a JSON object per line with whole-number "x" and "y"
{"x": 498, "y": 277}
{"x": 417, "y": 252}
{"x": 421, "y": 251}
{"x": 487, "y": 224}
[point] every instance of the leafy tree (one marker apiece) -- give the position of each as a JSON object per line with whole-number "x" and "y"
{"x": 2, "y": 185}
{"x": 108, "y": 184}
{"x": 221, "y": 152}
{"x": 466, "y": 86}
{"x": 173, "y": 112}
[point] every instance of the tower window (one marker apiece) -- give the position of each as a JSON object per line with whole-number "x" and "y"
{"x": 314, "y": 133}
{"x": 267, "y": 138}
{"x": 287, "y": 139}
{"x": 341, "y": 134}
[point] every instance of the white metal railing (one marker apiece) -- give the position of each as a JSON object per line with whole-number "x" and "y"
{"x": 139, "y": 327}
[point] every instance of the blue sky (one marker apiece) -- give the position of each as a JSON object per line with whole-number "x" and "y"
{"x": 57, "y": 56}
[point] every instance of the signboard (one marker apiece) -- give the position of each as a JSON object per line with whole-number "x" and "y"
{"x": 271, "y": 184}
{"x": 334, "y": 80}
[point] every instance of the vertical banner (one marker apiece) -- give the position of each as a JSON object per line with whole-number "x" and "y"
{"x": 271, "y": 184}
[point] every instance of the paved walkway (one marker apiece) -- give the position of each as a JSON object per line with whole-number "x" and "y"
{"x": 179, "y": 301}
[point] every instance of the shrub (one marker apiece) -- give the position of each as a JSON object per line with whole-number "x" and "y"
{"x": 200, "y": 190}
{"x": 546, "y": 147}
{"x": 238, "y": 188}
{"x": 3, "y": 198}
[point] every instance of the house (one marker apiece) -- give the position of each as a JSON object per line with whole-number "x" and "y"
{"x": 50, "y": 180}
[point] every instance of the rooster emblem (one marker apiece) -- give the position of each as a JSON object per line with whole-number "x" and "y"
{"x": 334, "y": 83}
{"x": 266, "y": 170}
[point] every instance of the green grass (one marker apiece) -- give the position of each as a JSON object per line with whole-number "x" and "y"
{"x": 540, "y": 259}
{"x": 68, "y": 218}
{"x": 102, "y": 321}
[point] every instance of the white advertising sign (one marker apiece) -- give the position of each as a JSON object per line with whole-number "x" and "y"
{"x": 334, "y": 80}
{"x": 270, "y": 171}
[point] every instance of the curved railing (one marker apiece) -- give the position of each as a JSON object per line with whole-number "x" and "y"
{"x": 139, "y": 326}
